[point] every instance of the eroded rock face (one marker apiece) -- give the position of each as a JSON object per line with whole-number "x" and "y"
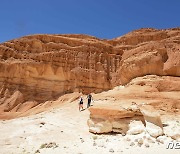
{"x": 44, "y": 67}
{"x": 128, "y": 122}
{"x": 137, "y": 107}
{"x": 105, "y": 119}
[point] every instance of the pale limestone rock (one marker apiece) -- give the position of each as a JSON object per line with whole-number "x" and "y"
{"x": 135, "y": 127}
{"x": 101, "y": 127}
{"x": 173, "y": 130}
{"x": 140, "y": 141}
{"x": 153, "y": 122}
{"x": 132, "y": 144}
{"x": 153, "y": 130}
{"x": 162, "y": 139}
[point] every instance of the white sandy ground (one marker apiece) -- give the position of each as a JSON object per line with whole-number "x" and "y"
{"x": 67, "y": 127}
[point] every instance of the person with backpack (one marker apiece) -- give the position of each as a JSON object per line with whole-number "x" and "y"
{"x": 89, "y": 97}
{"x": 81, "y": 103}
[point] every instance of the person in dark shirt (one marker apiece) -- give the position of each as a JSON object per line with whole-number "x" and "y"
{"x": 89, "y": 97}
{"x": 80, "y": 103}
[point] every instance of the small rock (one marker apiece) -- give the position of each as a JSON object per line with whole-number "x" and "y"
{"x": 94, "y": 137}
{"x": 132, "y": 144}
{"x": 151, "y": 140}
{"x": 107, "y": 140}
{"x": 140, "y": 141}
{"x": 94, "y": 144}
{"x": 136, "y": 140}
{"x": 161, "y": 139}
{"x": 123, "y": 134}
{"x": 128, "y": 139}
{"x": 42, "y": 123}
{"x": 37, "y": 151}
{"x": 111, "y": 150}
{"x": 101, "y": 145}
{"x": 82, "y": 140}
{"x": 146, "y": 145}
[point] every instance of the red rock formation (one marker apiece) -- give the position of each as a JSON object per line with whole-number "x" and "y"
{"x": 43, "y": 67}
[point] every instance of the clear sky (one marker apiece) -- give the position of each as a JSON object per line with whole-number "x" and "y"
{"x": 100, "y": 18}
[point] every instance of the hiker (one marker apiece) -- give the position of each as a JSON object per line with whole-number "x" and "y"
{"x": 89, "y": 97}
{"x": 81, "y": 103}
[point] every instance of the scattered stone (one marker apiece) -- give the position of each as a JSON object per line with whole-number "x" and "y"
{"x": 147, "y": 145}
{"x": 128, "y": 139}
{"x": 151, "y": 140}
{"x": 37, "y": 151}
{"x": 161, "y": 139}
{"x": 94, "y": 137}
{"x": 101, "y": 145}
{"x": 123, "y": 134}
{"x": 49, "y": 145}
{"x": 140, "y": 141}
{"x": 136, "y": 140}
{"x": 43, "y": 146}
{"x": 42, "y": 123}
{"x": 111, "y": 150}
{"x": 132, "y": 144}
{"x": 94, "y": 144}
{"x": 82, "y": 140}
{"x": 176, "y": 136}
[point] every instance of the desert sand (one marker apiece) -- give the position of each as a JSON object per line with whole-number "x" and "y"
{"x": 65, "y": 130}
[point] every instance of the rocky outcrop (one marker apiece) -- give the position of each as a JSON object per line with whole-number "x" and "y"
{"x": 44, "y": 67}
{"x": 106, "y": 119}
{"x": 137, "y": 108}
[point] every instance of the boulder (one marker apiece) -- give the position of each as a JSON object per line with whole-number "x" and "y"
{"x": 136, "y": 127}
{"x": 13, "y": 101}
{"x": 152, "y": 120}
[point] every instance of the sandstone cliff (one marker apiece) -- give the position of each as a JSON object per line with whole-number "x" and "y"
{"x": 38, "y": 68}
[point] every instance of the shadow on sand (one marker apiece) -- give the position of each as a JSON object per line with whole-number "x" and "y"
{"x": 86, "y": 108}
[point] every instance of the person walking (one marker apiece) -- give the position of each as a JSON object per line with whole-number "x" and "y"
{"x": 81, "y": 103}
{"x": 89, "y": 97}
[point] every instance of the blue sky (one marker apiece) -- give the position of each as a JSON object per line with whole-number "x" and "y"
{"x": 101, "y": 18}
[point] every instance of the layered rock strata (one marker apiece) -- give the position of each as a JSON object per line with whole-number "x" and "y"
{"x": 44, "y": 67}
{"x": 138, "y": 107}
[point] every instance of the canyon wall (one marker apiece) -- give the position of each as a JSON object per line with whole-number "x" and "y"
{"x": 44, "y": 67}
